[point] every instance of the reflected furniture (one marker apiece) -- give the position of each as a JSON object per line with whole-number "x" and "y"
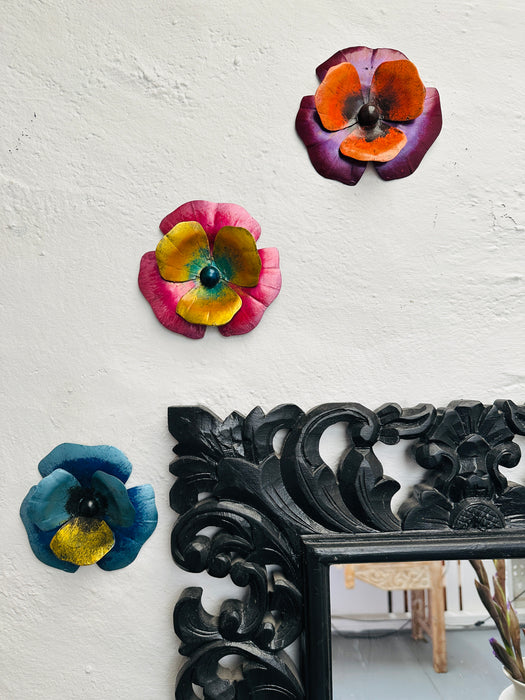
{"x": 425, "y": 581}
{"x": 275, "y": 521}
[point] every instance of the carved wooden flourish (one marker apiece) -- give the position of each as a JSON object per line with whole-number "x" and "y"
{"x": 401, "y": 576}
{"x": 260, "y": 504}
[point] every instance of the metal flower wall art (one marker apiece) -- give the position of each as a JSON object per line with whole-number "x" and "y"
{"x": 81, "y": 513}
{"x": 371, "y": 105}
{"x": 207, "y": 271}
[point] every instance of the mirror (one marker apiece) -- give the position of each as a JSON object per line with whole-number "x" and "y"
{"x": 281, "y": 517}
{"x": 414, "y": 630}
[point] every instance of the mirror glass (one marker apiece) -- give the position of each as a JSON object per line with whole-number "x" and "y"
{"x": 386, "y": 644}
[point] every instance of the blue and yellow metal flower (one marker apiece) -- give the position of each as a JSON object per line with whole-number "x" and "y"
{"x": 81, "y": 513}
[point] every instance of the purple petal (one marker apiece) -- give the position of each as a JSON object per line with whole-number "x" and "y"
{"x": 323, "y": 146}
{"x": 421, "y": 134}
{"x": 364, "y": 59}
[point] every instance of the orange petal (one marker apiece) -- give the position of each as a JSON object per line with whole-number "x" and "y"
{"x": 381, "y": 145}
{"x": 235, "y": 254}
{"x": 183, "y": 252}
{"x": 209, "y": 307}
{"x": 339, "y": 97}
{"x": 398, "y": 91}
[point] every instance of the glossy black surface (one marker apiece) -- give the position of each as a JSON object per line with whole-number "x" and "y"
{"x": 210, "y": 276}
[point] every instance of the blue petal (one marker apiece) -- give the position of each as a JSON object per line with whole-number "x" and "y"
{"x": 119, "y": 512}
{"x": 47, "y": 506}
{"x": 83, "y": 461}
{"x": 129, "y": 540}
{"x": 39, "y": 540}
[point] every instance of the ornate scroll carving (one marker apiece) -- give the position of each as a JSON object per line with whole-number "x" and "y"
{"x": 463, "y": 488}
{"x": 401, "y": 576}
{"x": 228, "y": 478}
{"x": 261, "y": 505}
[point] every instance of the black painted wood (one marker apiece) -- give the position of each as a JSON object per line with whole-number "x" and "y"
{"x": 280, "y": 521}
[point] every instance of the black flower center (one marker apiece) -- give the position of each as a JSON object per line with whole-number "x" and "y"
{"x": 210, "y": 276}
{"x": 84, "y": 502}
{"x": 368, "y": 115}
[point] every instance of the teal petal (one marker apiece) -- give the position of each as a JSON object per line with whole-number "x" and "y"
{"x": 119, "y": 511}
{"x": 40, "y": 541}
{"x": 47, "y": 505}
{"x": 129, "y": 540}
{"x": 84, "y": 460}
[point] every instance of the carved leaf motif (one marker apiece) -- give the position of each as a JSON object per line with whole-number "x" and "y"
{"x": 514, "y": 415}
{"x": 512, "y": 505}
{"x": 243, "y": 532}
{"x": 200, "y": 433}
{"x": 192, "y": 624}
{"x": 262, "y": 675}
{"x": 407, "y": 423}
{"x": 195, "y": 477}
{"x": 259, "y": 429}
{"x": 425, "y": 509}
{"x": 365, "y": 490}
{"x": 337, "y": 505}
{"x": 464, "y": 449}
{"x": 261, "y": 486}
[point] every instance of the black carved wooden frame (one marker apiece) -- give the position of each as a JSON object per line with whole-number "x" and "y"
{"x": 280, "y": 521}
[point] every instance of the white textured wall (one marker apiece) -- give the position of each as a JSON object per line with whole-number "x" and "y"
{"x": 114, "y": 112}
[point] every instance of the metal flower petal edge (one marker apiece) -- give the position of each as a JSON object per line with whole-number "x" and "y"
{"x": 371, "y": 105}
{"x": 81, "y": 513}
{"x": 207, "y": 271}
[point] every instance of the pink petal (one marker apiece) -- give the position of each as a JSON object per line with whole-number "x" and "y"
{"x": 364, "y": 59}
{"x": 164, "y": 296}
{"x": 212, "y": 217}
{"x": 246, "y": 318}
{"x": 269, "y": 284}
{"x": 255, "y": 300}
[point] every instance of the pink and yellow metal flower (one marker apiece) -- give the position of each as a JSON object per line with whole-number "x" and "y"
{"x": 371, "y": 105}
{"x": 207, "y": 271}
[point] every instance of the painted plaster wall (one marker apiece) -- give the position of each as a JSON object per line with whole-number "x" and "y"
{"x": 116, "y": 112}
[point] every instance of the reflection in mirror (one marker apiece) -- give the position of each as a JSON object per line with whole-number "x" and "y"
{"x": 415, "y": 630}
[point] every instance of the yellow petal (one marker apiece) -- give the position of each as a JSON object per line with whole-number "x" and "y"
{"x": 183, "y": 252}
{"x": 209, "y": 307}
{"x": 82, "y": 541}
{"x": 235, "y": 254}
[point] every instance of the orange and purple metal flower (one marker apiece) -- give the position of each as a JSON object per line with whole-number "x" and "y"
{"x": 371, "y": 105}
{"x": 207, "y": 271}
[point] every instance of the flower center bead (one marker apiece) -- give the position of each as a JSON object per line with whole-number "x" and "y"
{"x": 88, "y": 507}
{"x": 368, "y": 115}
{"x": 84, "y": 502}
{"x": 210, "y": 276}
